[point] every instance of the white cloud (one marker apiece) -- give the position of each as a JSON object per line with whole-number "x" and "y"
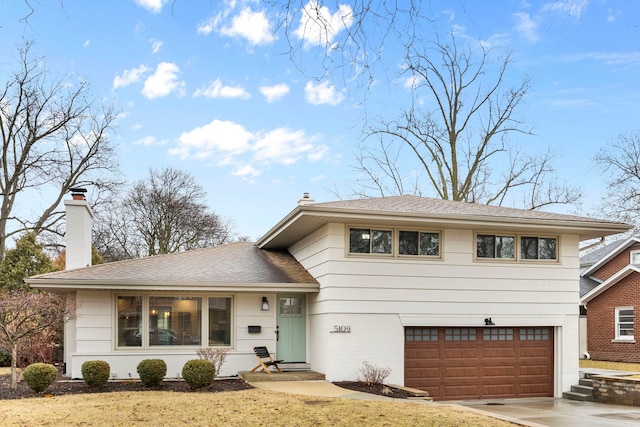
{"x": 526, "y": 26}
{"x": 275, "y": 92}
{"x": 319, "y": 27}
{"x": 217, "y": 90}
{"x": 250, "y": 25}
{"x": 573, "y": 8}
{"x": 229, "y": 143}
{"x": 86, "y": 43}
{"x": 322, "y": 94}
{"x": 207, "y": 27}
{"x": 153, "y": 6}
{"x": 163, "y": 81}
{"x": 148, "y": 141}
{"x": 129, "y": 76}
{"x": 220, "y": 138}
{"x": 155, "y": 45}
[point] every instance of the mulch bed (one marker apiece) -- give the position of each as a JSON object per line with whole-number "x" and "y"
{"x": 62, "y": 387}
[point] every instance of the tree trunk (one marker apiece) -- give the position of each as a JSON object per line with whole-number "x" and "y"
{"x": 14, "y": 366}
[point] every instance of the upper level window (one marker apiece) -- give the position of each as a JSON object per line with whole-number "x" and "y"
{"x": 635, "y": 257}
{"x": 624, "y": 323}
{"x": 370, "y": 241}
{"x": 495, "y": 246}
{"x": 538, "y": 248}
{"x": 418, "y": 243}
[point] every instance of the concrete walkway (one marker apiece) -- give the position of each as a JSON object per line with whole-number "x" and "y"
{"x": 318, "y": 388}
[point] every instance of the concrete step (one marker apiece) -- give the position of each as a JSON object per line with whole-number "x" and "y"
{"x": 294, "y": 367}
{"x": 583, "y": 397}
{"x": 584, "y": 389}
{"x": 281, "y": 376}
{"x": 586, "y": 382}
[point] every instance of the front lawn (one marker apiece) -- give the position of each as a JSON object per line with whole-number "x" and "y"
{"x": 242, "y": 408}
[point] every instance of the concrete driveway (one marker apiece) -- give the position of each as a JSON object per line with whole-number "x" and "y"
{"x": 555, "y": 412}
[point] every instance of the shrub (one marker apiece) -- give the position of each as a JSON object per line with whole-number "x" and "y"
{"x": 39, "y": 376}
{"x": 215, "y": 355}
{"x": 372, "y": 375}
{"x": 95, "y": 373}
{"x": 151, "y": 372}
{"x": 5, "y": 357}
{"x": 199, "y": 373}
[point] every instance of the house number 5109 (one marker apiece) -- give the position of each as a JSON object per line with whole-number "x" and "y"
{"x": 341, "y": 329}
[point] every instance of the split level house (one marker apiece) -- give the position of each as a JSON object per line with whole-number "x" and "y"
{"x": 610, "y": 297}
{"x": 461, "y": 300}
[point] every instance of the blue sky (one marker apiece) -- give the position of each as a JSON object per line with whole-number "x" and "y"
{"x": 209, "y": 87}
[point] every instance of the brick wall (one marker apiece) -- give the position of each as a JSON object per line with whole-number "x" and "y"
{"x": 601, "y": 322}
{"x": 615, "y": 265}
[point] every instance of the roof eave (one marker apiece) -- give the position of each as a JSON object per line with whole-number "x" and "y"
{"x": 87, "y": 284}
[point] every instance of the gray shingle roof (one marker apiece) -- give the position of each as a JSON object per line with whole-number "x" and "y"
{"x": 226, "y": 264}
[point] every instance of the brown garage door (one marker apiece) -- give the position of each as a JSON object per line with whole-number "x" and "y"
{"x": 479, "y": 363}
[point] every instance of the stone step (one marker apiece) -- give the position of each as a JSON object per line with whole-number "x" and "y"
{"x": 586, "y": 382}
{"x": 584, "y": 389}
{"x": 572, "y": 395}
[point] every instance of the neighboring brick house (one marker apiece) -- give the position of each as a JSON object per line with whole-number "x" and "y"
{"x": 610, "y": 293}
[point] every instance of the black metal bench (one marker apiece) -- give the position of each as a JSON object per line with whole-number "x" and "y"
{"x": 266, "y": 361}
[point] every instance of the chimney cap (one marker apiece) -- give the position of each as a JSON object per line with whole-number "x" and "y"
{"x": 78, "y": 190}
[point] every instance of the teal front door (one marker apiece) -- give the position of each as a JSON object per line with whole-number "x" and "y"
{"x": 291, "y": 328}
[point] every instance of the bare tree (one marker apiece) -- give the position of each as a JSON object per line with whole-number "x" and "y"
{"x": 54, "y": 137}
{"x": 620, "y": 162}
{"x": 24, "y": 315}
{"x": 461, "y": 141}
{"x": 162, "y": 214}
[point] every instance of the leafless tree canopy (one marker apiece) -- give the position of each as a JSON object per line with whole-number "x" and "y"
{"x": 25, "y": 314}
{"x": 54, "y": 137}
{"x": 458, "y": 130}
{"x": 162, "y": 214}
{"x": 620, "y": 162}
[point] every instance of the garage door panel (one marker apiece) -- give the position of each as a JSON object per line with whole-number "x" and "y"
{"x": 470, "y": 363}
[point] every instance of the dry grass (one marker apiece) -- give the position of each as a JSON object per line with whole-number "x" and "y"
{"x": 250, "y": 407}
{"x": 615, "y": 366}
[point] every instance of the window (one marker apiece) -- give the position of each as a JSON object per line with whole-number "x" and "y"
{"x": 220, "y": 321}
{"x": 624, "y": 323}
{"x": 495, "y": 246}
{"x": 538, "y": 248}
{"x": 635, "y": 257}
{"x": 460, "y": 334}
{"x": 149, "y": 321}
{"x": 369, "y": 241}
{"x": 418, "y": 243}
{"x": 421, "y": 334}
{"x": 497, "y": 334}
{"x": 534, "y": 334}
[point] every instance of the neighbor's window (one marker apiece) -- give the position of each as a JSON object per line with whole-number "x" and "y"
{"x": 220, "y": 321}
{"x": 370, "y": 241}
{"x": 418, "y": 243}
{"x": 495, "y": 246}
{"x": 624, "y": 323}
{"x": 538, "y": 248}
{"x": 635, "y": 257}
{"x": 174, "y": 320}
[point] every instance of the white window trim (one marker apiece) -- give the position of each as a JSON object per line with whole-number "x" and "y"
{"x": 633, "y": 254}
{"x": 623, "y": 338}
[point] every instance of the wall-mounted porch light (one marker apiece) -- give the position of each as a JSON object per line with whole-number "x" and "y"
{"x": 265, "y": 304}
{"x": 489, "y": 322}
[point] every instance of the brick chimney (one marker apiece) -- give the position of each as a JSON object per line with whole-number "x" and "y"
{"x": 78, "y": 235}
{"x": 305, "y": 200}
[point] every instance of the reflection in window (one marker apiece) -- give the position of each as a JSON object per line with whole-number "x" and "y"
{"x": 219, "y": 321}
{"x": 418, "y": 243}
{"x": 174, "y": 320}
{"x": 365, "y": 241}
{"x": 290, "y": 306}
{"x": 129, "y": 321}
{"x": 538, "y": 248}
{"x": 494, "y": 246}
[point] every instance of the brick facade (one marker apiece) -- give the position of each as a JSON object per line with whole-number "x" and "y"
{"x": 601, "y": 333}
{"x": 619, "y": 262}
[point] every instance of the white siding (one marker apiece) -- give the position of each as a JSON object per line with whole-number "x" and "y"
{"x": 452, "y": 291}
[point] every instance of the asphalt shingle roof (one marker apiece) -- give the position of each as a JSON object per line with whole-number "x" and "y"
{"x": 233, "y": 263}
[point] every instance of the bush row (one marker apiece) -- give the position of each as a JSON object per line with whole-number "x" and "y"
{"x": 197, "y": 373}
